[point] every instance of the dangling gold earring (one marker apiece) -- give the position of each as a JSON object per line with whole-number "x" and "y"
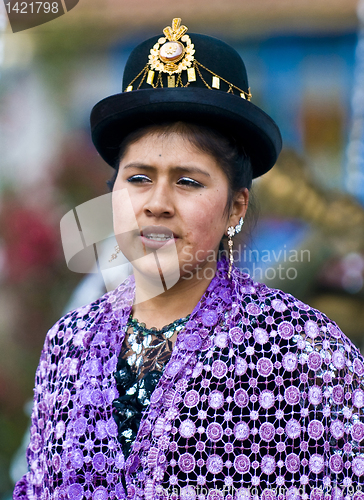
{"x": 114, "y": 255}
{"x": 231, "y": 232}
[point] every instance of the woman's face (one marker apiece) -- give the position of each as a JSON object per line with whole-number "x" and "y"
{"x": 178, "y": 194}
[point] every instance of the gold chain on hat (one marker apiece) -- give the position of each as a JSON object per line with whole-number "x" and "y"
{"x": 173, "y": 54}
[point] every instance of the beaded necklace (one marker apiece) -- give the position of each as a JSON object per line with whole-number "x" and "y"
{"x": 167, "y": 331}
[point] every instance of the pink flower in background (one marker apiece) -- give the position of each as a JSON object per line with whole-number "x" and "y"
{"x": 30, "y": 242}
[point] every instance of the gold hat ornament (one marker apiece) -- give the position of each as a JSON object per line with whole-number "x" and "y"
{"x": 173, "y": 54}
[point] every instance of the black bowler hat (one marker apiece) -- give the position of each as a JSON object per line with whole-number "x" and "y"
{"x": 193, "y": 78}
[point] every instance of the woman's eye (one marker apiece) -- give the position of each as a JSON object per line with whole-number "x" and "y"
{"x": 186, "y": 181}
{"x": 138, "y": 178}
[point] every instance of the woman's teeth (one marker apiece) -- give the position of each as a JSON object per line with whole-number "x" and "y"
{"x": 159, "y": 237}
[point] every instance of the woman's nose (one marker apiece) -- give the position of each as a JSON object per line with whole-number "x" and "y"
{"x": 160, "y": 201}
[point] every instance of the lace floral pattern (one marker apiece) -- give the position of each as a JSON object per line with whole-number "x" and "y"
{"x": 262, "y": 398}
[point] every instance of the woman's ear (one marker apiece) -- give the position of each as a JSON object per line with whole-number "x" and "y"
{"x": 239, "y": 207}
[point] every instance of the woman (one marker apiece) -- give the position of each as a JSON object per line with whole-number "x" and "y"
{"x": 246, "y": 392}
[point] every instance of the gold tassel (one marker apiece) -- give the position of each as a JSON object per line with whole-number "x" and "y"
{"x": 150, "y": 77}
{"x": 129, "y": 89}
{"x": 215, "y": 82}
{"x": 191, "y": 74}
{"x": 171, "y": 81}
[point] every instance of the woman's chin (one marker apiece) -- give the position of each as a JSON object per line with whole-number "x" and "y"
{"x": 156, "y": 268}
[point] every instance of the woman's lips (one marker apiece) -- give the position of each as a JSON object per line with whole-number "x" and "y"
{"x": 155, "y": 244}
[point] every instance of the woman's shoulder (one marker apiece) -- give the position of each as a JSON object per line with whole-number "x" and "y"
{"x": 83, "y": 323}
{"x": 289, "y": 317}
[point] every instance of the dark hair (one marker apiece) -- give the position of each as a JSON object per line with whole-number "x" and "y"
{"x": 226, "y": 151}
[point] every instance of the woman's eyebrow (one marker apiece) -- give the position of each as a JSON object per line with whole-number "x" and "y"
{"x": 184, "y": 169}
{"x": 191, "y": 170}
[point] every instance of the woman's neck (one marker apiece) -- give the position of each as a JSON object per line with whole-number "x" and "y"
{"x": 175, "y": 302}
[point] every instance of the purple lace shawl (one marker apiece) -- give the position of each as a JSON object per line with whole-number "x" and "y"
{"x": 263, "y": 398}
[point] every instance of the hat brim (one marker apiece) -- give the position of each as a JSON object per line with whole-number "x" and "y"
{"x": 113, "y": 118}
